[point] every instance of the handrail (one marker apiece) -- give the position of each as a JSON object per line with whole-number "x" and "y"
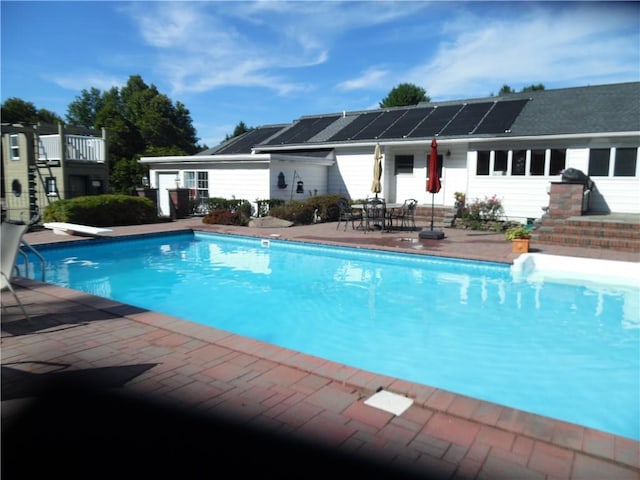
{"x": 43, "y": 262}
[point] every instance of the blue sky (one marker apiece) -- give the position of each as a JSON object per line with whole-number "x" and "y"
{"x": 270, "y": 62}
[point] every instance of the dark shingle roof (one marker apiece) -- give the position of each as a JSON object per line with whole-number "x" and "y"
{"x": 596, "y": 109}
{"x": 592, "y": 109}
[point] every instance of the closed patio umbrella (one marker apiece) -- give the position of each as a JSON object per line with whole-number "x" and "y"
{"x": 376, "y": 187}
{"x": 433, "y": 187}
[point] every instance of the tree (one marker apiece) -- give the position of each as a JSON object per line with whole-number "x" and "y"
{"x": 533, "y": 88}
{"x": 83, "y": 110}
{"x": 16, "y": 110}
{"x": 404, "y": 95}
{"x": 505, "y": 90}
{"x": 138, "y": 119}
{"x": 239, "y": 130}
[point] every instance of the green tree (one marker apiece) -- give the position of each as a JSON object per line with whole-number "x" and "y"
{"x": 533, "y": 88}
{"x": 16, "y": 110}
{"x": 138, "y": 119}
{"x": 84, "y": 109}
{"x": 505, "y": 90}
{"x": 239, "y": 130}
{"x": 404, "y": 95}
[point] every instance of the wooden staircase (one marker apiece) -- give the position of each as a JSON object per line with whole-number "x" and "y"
{"x": 619, "y": 232}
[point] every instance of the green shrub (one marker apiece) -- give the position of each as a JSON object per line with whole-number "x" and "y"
{"x": 483, "y": 214}
{"x": 103, "y": 210}
{"x": 301, "y": 212}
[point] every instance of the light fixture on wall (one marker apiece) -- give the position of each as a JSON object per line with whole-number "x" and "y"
{"x": 281, "y": 182}
{"x": 299, "y": 185}
{"x": 448, "y": 154}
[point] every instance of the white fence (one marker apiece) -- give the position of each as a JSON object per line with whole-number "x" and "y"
{"x": 77, "y": 147}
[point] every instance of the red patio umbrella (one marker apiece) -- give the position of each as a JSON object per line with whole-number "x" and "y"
{"x": 433, "y": 184}
{"x": 433, "y": 187}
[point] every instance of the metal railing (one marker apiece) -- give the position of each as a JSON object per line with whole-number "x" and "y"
{"x": 25, "y": 256}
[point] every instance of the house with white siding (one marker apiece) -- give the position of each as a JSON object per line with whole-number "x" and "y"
{"x": 512, "y": 146}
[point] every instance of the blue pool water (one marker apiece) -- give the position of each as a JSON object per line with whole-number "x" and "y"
{"x": 567, "y": 351}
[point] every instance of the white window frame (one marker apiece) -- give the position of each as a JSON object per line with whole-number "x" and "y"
{"x": 14, "y": 146}
{"x": 198, "y": 181}
{"x": 51, "y": 186}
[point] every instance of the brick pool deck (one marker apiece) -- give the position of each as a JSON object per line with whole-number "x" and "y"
{"x": 95, "y": 388}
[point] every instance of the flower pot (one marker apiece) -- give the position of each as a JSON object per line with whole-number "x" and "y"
{"x": 520, "y": 245}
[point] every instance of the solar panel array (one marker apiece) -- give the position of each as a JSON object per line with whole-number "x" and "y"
{"x": 407, "y": 122}
{"x": 491, "y": 117}
{"x": 501, "y": 117}
{"x": 467, "y": 119}
{"x": 435, "y": 122}
{"x": 379, "y": 125}
{"x": 249, "y": 140}
{"x": 351, "y": 130}
{"x": 303, "y": 130}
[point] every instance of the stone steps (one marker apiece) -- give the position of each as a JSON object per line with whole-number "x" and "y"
{"x": 590, "y": 233}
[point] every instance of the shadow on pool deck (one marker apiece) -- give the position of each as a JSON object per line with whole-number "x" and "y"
{"x": 96, "y": 389}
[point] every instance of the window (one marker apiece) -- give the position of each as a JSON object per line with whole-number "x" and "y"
{"x": 519, "y": 162}
{"x": 557, "y": 161}
{"x": 482, "y": 164}
{"x": 598, "y": 162}
{"x": 198, "y": 183}
{"x": 51, "y": 186}
{"x": 537, "y": 162}
{"x": 14, "y": 146}
{"x": 500, "y": 161}
{"x": 626, "y": 161}
{"x": 404, "y": 164}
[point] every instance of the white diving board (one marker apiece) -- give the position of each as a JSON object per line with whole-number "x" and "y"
{"x": 62, "y": 228}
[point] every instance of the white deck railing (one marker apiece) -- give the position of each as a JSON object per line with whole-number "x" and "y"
{"x": 77, "y": 147}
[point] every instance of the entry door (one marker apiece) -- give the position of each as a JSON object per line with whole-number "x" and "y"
{"x": 166, "y": 182}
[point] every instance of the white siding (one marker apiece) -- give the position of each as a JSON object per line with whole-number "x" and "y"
{"x": 313, "y": 177}
{"x": 239, "y": 181}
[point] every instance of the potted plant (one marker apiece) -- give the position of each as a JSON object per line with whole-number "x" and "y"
{"x": 519, "y": 237}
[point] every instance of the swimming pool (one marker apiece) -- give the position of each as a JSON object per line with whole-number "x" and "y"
{"x": 564, "y": 350}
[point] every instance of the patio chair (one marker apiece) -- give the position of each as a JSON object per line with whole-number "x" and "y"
{"x": 409, "y": 220}
{"x": 346, "y": 214}
{"x": 11, "y": 238}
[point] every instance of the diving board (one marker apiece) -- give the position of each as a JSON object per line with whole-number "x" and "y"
{"x": 63, "y": 228}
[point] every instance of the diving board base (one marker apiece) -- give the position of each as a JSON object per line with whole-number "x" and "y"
{"x": 62, "y": 228}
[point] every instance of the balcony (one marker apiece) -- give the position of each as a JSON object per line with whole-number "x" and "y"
{"x": 76, "y": 148}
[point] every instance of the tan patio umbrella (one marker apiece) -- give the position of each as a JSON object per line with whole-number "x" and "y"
{"x": 376, "y": 187}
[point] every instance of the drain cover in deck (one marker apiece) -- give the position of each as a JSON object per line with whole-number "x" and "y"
{"x": 389, "y": 402}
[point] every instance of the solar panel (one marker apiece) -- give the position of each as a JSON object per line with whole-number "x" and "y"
{"x": 249, "y": 140}
{"x": 467, "y": 119}
{"x": 435, "y": 122}
{"x": 361, "y": 122}
{"x": 379, "y": 125}
{"x": 407, "y": 123}
{"x": 304, "y": 130}
{"x": 501, "y": 116}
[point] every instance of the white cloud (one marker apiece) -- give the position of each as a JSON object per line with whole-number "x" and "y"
{"x": 79, "y": 80}
{"x": 544, "y": 46}
{"x": 373, "y": 78}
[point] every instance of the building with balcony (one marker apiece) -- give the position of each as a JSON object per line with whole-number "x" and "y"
{"x": 44, "y": 163}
